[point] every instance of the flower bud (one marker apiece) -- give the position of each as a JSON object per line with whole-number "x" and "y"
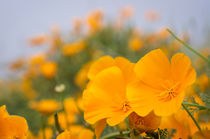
{"x": 144, "y": 124}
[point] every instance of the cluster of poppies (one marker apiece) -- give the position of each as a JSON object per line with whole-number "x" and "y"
{"x": 154, "y": 85}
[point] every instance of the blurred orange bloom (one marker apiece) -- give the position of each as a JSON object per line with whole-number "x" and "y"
{"x": 163, "y": 33}
{"x": 77, "y": 25}
{"x": 46, "y": 106}
{"x": 81, "y": 77}
{"x": 64, "y": 135}
{"x": 160, "y": 85}
{"x": 55, "y": 39}
{"x": 62, "y": 118}
{"x": 126, "y": 12}
{"x": 71, "y": 109}
{"x": 48, "y": 69}
{"x": 48, "y": 133}
{"x": 135, "y": 44}
{"x": 37, "y": 59}
{"x": 17, "y": 64}
{"x": 12, "y": 126}
{"x": 76, "y": 132}
{"x": 203, "y": 81}
{"x": 38, "y": 40}
{"x": 27, "y": 89}
{"x": 70, "y": 106}
{"x": 79, "y": 132}
{"x": 95, "y": 20}
{"x": 152, "y": 16}
{"x": 73, "y": 48}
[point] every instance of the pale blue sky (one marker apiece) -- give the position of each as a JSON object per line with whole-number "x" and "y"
{"x": 21, "y": 19}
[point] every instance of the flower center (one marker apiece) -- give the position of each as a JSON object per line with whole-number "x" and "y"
{"x": 170, "y": 91}
{"x": 126, "y": 106}
{"x": 167, "y": 95}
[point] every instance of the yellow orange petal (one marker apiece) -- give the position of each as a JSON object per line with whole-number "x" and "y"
{"x": 118, "y": 117}
{"x": 126, "y": 67}
{"x": 94, "y": 108}
{"x": 141, "y": 97}
{"x": 105, "y": 95}
{"x": 3, "y": 111}
{"x": 182, "y": 70}
{"x": 12, "y": 126}
{"x": 100, "y": 125}
{"x": 168, "y": 107}
{"x": 101, "y": 64}
{"x": 153, "y": 68}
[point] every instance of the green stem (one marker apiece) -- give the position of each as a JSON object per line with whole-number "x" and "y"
{"x": 115, "y": 134}
{"x": 195, "y": 105}
{"x": 43, "y": 126}
{"x": 187, "y": 46}
{"x": 57, "y": 125}
{"x": 193, "y": 118}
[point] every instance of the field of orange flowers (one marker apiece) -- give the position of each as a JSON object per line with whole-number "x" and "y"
{"x": 108, "y": 80}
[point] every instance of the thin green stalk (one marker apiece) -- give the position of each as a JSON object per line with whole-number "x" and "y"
{"x": 57, "y": 125}
{"x": 187, "y": 46}
{"x": 43, "y": 126}
{"x": 115, "y": 134}
{"x": 195, "y": 105}
{"x": 193, "y": 118}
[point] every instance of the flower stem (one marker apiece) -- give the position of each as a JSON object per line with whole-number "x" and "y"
{"x": 115, "y": 134}
{"x": 57, "y": 125}
{"x": 195, "y": 105}
{"x": 43, "y": 126}
{"x": 187, "y": 46}
{"x": 193, "y": 118}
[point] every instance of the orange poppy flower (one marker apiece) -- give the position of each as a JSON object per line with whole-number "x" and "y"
{"x": 180, "y": 121}
{"x": 49, "y": 69}
{"x": 73, "y": 48}
{"x": 38, "y": 40}
{"x": 135, "y": 44}
{"x": 105, "y": 98}
{"x": 45, "y": 106}
{"x": 81, "y": 77}
{"x": 17, "y": 64}
{"x": 127, "y": 12}
{"x": 95, "y": 21}
{"x": 37, "y": 59}
{"x": 160, "y": 85}
{"x": 152, "y": 16}
{"x": 47, "y": 132}
{"x": 12, "y": 126}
